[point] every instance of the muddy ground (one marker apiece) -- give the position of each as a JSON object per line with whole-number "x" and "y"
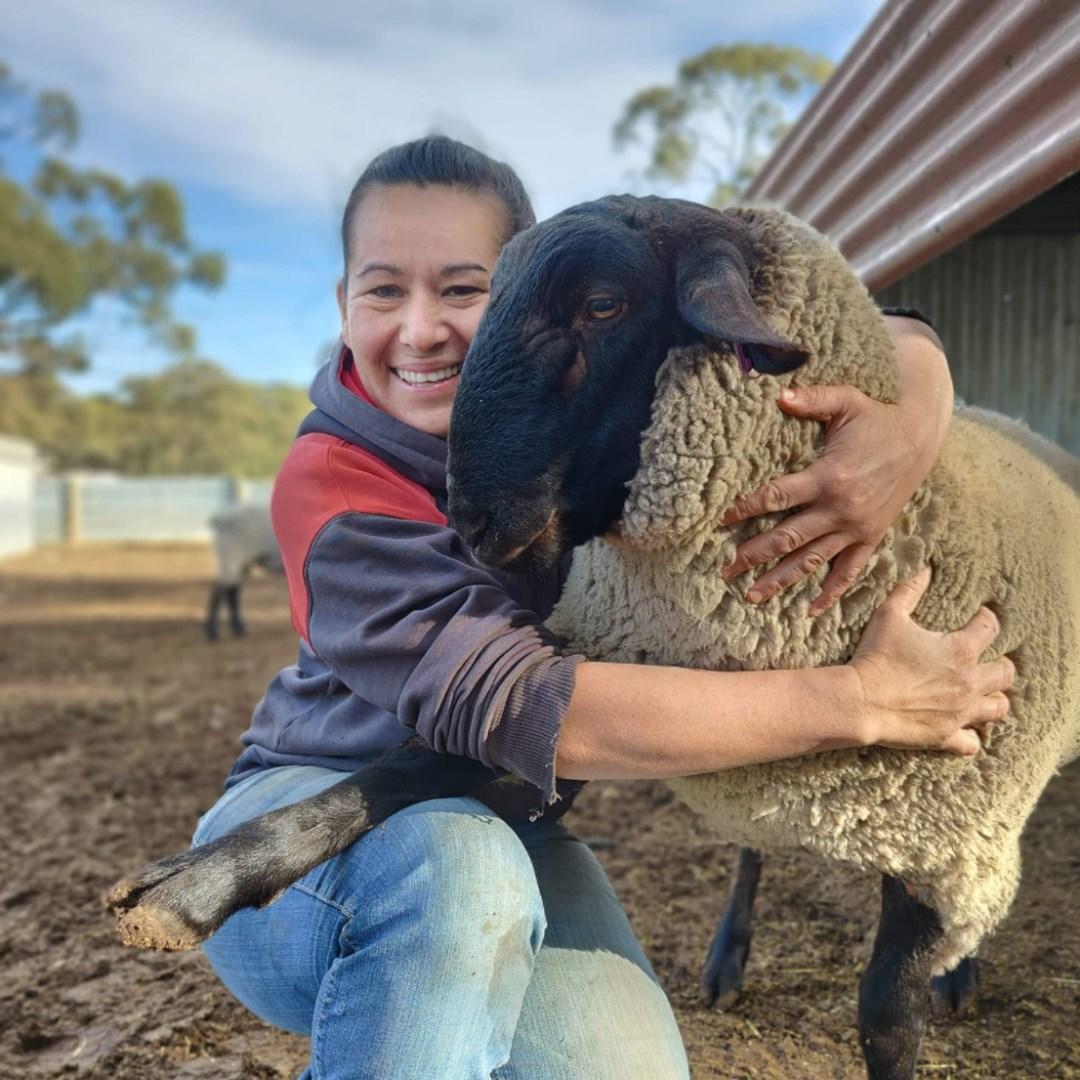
{"x": 118, "y": 721}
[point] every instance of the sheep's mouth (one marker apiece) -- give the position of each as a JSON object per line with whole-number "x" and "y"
{"x": 535, "y": 555}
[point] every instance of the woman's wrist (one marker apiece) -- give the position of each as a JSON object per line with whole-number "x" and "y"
{"x": 926, "y": 389}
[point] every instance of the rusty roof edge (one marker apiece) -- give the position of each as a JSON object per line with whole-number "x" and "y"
{"x": 969, "y": 108}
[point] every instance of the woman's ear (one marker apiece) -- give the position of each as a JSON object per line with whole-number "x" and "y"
{"x": 342, "y": 311}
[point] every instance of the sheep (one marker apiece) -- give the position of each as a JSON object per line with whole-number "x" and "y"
{"x": 242, "y": 537}
{"x": 561, "y": 435}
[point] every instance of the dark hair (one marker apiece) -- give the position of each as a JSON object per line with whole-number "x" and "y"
{"x": 436, "y": 159}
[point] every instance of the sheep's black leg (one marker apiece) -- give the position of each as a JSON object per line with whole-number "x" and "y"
{"x": 721, "y": 981}
{"x": 179, "y": 901}
{"x": 232, "y": 594}
{"x": 894, "y": 995}
{"x": 217, "y": 593}
{"x": 954, "y": 992}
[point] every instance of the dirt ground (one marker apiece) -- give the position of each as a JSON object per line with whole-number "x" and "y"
{"x": 118, "y": 722}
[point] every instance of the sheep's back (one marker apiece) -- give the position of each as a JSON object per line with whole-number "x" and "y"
{"x": 1000, "y": 522}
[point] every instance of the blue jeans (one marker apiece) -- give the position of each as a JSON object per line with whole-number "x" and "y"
{"x": 446, "y": 945}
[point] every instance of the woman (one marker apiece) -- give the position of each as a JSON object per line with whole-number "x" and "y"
{"x": 451, "y": 943}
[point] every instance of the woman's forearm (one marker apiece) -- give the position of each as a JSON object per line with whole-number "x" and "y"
{"x": 630, "y": 721}
{"x": 926, "y": 388}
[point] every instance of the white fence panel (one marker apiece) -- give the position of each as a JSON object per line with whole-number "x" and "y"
{"x": 18, "y": 463}
{"x": 105, "y": 507}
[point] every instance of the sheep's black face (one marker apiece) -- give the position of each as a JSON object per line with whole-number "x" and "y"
{"x": 558, "y": 382}
{"x": 556, "y": 390}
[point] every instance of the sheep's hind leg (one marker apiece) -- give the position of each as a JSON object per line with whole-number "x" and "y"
{"x": 894, "y": 994}
{"x": 954, "y": 992}
{"x": 721, "y": 980}
{"x": 236, "y": 622}
{"x": 179, "y": 901}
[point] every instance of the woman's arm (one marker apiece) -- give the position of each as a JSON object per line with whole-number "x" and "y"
{"x": 905, "y": 687}
{"x": 875, "y": 456}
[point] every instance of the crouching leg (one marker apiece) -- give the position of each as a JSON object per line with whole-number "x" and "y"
{"x": 894, "y": 994}
{"x": 721, "y": 981}
{"x": 179, "y": 901}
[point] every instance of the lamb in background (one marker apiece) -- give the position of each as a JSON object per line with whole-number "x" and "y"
{"x": 534, "y": 472}
{"x": 242, "y": 537}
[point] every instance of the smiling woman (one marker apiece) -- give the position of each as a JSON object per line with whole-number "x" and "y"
{"x": 452, "y": 942}
{"x": 418, "y": 272}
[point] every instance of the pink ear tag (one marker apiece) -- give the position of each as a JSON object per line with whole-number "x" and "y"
{"x": 745, "y": 362}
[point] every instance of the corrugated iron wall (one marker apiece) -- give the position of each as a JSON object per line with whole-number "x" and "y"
{"x": 1008, "y": 308}
{"x": 944, "y": 116}
{"x": 18, "y": 466}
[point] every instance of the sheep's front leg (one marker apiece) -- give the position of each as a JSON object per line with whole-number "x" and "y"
{"x": 894, "y": 994}
{"x": 179, "y": 901}
{"x": 213, "y": 606}
{"x": 721, "y": 981}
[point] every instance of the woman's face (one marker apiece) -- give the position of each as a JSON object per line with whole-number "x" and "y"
{"x": 419, "y": 272}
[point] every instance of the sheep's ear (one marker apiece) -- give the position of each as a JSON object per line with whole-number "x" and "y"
{"x": 713, "y": 289}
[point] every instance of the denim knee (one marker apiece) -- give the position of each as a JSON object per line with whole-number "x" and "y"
{"x": 458, "y": 870}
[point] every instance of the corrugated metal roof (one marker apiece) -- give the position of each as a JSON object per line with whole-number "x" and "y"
{"x": 945, "y": 115}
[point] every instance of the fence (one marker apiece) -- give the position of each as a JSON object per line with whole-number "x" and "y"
{"x": 94, "y": 507}
{"x": 18, "y": 463}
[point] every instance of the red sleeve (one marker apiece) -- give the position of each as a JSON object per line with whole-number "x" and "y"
{"x": 323, "y": 477}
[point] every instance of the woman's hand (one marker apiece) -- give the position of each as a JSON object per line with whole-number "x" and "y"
{"x": 924, "y": 690}
{"x": 875, "y": 456}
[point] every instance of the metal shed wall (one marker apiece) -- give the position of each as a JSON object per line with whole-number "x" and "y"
{"x": 1008, "y": 307}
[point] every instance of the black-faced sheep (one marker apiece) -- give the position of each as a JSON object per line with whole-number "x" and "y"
{"x": 629, "y": 316}
{"x": 242, "y": 537}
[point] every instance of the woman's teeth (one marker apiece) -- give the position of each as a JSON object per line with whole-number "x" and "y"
{"x": 414, "y": 378}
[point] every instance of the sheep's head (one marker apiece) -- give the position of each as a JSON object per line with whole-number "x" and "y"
{"x": 559, "y": 382}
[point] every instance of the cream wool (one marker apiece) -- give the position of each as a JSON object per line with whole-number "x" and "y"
{"x": 999, "y": 521}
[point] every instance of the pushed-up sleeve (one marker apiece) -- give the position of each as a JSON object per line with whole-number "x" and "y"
{"x": 406, "y": 619}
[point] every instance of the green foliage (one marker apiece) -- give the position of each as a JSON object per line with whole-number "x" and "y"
{"x": 192, "y": 417}
{"x": 722, "y": 115}
{"x": 71, "y": 235}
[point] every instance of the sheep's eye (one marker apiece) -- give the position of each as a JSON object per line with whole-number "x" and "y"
{"x": 599, "y": 308}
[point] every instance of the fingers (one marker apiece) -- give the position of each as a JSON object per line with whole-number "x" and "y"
{"x": 796, "y": 489}
{"x": 964, "y": 742}
{"x": 990, "y": 707}
{"x": 846, "y": 567}
{"x": 996, "y": 676}
{"x": 819, "y": 402}
{"x": 794, "y": 568}
{"x": 979, "y": 633}
{"x": 905, "y": 597}
{"x": 788, "y": 536}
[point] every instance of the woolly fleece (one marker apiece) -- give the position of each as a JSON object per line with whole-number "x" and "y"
{"x": 999, "y": 522}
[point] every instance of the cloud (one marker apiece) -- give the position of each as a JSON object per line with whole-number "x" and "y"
{"x": 283, "y": 103}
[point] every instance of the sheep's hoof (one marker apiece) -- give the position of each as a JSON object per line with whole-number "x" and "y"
{"x": 954, "y": 992}
{"x": 722, "y": 979}
{"x": 173, "y": 904}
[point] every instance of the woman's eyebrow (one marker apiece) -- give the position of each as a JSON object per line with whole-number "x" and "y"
{"x": 461, "y": 268}
{"x": 386, "y": 268}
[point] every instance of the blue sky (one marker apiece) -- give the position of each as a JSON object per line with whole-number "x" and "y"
{"x": 263, "y": 112}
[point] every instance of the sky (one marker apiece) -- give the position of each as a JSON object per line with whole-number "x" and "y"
{"x": 264, "y": 112}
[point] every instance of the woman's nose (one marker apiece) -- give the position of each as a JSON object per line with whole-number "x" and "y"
{"x": 423, "y": 328}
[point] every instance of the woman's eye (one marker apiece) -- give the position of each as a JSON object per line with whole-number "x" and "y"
{"x": 384, "y": 292}
{"x": 600, "y": 308}
{"x": 462, "y": 291}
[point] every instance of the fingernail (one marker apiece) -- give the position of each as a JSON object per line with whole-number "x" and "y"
{"x": 755, "y": 596}
{"x": 787, "y": 394}
{"x": 728, "y": 572}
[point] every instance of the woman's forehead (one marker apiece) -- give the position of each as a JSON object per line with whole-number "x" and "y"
{"x": 435, "y": 220}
